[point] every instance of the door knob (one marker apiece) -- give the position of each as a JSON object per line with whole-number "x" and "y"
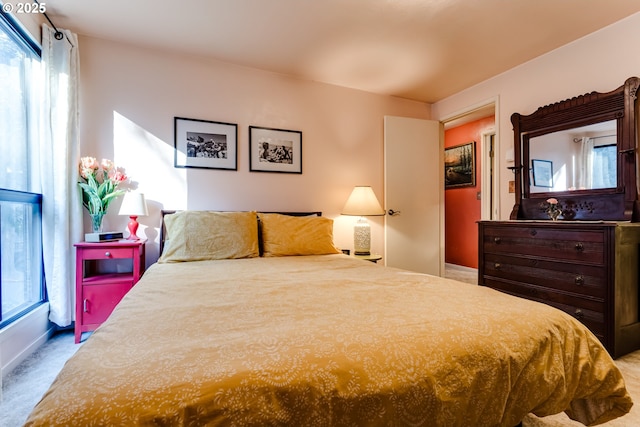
{"x": 393, "y": 213}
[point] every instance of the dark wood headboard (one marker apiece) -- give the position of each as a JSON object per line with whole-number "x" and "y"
{"x": 163, "y": 230}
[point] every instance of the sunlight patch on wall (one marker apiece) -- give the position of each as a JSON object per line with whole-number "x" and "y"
{"x": 560, "y": 179}
{"x": 148, "y": 161}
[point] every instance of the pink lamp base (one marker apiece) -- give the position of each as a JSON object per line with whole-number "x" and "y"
{"x": 133, "y": 228}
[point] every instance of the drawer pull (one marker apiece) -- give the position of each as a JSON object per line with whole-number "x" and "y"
{"x": 107, "y": 254}
{"x": 580, "y": 280}
{"x": 497, "y": 266}
{"x": 579, "y": 314}
{"x": 579, "y": 247}
{"x": 85, "y": 305}
{"x": 497, "y": 240}
{"x": 533, "y": 232}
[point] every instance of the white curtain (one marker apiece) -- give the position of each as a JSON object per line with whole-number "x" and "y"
{"x": 58, "y": 158}
{"x": 586, "y": 164}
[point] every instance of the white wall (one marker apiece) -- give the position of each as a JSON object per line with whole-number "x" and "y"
{"x": 130, "y": 95}
{"x": 601, "y": 62}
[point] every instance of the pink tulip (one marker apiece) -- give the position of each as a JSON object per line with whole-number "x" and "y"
{"x": 107, "y": 165}
{"x": 89, "y": 162}
{"x": 116, "y": 176}
{"x": 88, "y": 166}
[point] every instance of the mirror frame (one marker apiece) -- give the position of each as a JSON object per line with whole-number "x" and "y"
{"x": 615, "y": 204}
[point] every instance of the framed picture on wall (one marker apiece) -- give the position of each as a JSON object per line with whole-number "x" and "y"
{"x": 205, "y": 144}
{"x": 460, "y": 166}
{"x": 275, "y": 150}
{"x": 542, "y": 173}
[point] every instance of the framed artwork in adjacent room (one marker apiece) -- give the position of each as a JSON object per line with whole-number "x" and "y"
{"x": 275, "y": 150}
{"x": 542, "y": 173}
{"x": 460, "y": 166}
{"x": 205, "y": 144}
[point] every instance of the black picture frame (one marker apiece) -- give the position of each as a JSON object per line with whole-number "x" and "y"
{"x": 205, "y": 144}
{"x": 460, "y": 166}
{"x": 542, "y": 173}
{"x": 275, "y": 150}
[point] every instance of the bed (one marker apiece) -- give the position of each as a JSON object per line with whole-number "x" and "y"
{"x": 240, "y": 325}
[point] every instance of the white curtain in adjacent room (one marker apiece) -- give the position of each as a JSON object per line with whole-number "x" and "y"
{"x": 59, "y": 155}
{"x": 586, "y": 164}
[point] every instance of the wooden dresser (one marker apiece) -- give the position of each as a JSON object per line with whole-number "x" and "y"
{"x": 586, "y": 262}
{"x": 588, "y": 269}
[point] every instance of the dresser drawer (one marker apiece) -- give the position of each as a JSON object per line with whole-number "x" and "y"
{"x": 591, "y": 319}
{"x": 576, "y": 278}
{"x": 562, "y": 244}
{"x": 544, "y": 294}
{"x": 594, "y": 320}
{"x": 590, "y": 313}
{"x": 108, "y": 253}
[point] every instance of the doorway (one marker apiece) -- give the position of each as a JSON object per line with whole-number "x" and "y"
{"x": 466, "y": 204}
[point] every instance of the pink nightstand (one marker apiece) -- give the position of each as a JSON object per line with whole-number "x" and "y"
{"x": 98, "y": 293}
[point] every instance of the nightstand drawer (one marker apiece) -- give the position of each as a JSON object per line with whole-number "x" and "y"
{"x": 108, "y": 253}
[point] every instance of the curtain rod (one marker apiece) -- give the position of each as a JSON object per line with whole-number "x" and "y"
{"x": 58, "y": 35}
{"x": 594, "y": 137}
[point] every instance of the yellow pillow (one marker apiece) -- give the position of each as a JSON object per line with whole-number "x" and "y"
{"x": 284, "y": 235}
{"x": 202, "y": 235}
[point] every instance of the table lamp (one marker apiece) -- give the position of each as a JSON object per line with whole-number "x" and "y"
{"x": 362, "y": 202}
{"x": 133, "y": 205}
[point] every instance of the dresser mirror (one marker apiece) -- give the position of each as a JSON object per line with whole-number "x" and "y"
{"x": 582, "y": 158}
{"x": 582, "y": 152}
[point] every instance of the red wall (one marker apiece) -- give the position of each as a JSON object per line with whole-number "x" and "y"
{"x": 462, "y": 207}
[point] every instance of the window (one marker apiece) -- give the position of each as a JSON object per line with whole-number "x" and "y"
{"x": 17, "y": 63}
{"x": 20, "y": 254}
{"x": 21, "y": 285}
{"x": 604, "y": 166}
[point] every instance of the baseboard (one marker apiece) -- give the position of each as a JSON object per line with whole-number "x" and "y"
{"x": 460, "y": 267}
{"x": 22, "y": 337}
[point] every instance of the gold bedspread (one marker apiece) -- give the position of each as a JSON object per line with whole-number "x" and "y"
{"x": 328, "y": 341}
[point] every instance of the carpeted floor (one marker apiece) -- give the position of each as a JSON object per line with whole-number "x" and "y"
{"x": 461, "y": 273}
{"x": 26, "y": 384}
{"x": 24, "y": 387}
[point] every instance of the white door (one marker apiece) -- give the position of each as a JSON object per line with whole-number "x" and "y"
{"x": 414, "y": 194}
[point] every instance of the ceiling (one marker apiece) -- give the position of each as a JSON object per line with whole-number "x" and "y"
{"x": 423, "y": 50}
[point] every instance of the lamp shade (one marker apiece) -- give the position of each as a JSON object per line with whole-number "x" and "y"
{"x": 363, "y": 202}
{"x": 133, "y": 204}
